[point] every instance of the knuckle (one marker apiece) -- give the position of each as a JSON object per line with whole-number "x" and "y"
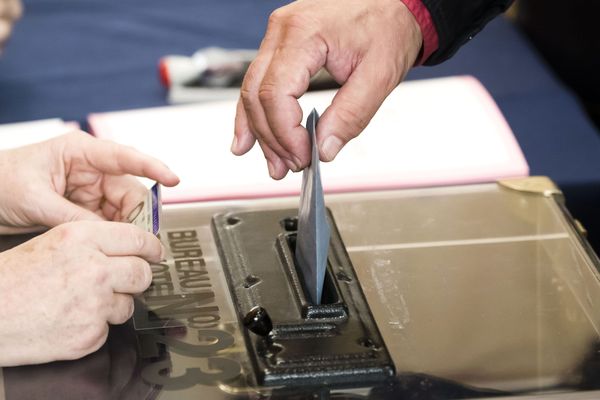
{"x": 277, "y": 17}
{"x": 154, "y": 245}
{"x": 117, "y": 148}
{"x": 299, "y": 20}
{"x": 101, "y": 277}
{"x": 251, "y": 80}
{"x": 138, "y": 239}
{"x": 290, "y": 17}
{"x": 73, "y": 136}
{"x": 73, "y": 139}
{"x": 146, "y": 276}
{"x": 392, "y": 76}
{"x": 141, "y": 275}
{"x": 125, "y": 310}
{"x": 98, "y": 301}
{"x": 69, "y": 232}
{"x": 89, "y": 339}
{"x": 267, "y": 93}
{"x": 353, "y": 120}
{"x": 248, "y": 98}
{"x": 129, "y": 308}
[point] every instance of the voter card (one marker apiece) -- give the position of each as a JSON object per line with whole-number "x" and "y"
{"x": 147, "y": 214}
{"x": 312, "y": 241}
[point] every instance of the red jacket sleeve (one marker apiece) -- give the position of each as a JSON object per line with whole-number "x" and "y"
{"x": 428, "y": 31}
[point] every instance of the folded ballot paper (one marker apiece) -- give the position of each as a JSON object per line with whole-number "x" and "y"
{"x": 432, "y": 132}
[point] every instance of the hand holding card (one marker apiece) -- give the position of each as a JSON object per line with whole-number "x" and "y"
{"x": 73, "y": 177}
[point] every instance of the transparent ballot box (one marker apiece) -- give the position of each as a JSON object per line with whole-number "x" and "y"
{"x": 461, "y": 292}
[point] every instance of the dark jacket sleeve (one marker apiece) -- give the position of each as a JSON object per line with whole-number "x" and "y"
{"x": 457, "y": 21}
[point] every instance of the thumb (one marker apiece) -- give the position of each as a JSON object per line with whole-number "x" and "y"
{"x": 352, "y": 108}
{"x": 59, "y": 210}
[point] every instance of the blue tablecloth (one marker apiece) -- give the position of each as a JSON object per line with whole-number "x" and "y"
{"x": 68, "y": 58}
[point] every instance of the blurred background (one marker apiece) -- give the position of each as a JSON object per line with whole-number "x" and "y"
{"x": 567, "y": 35}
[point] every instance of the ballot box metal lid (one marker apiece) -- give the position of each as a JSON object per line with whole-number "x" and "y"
{"x": 477, "y": 291}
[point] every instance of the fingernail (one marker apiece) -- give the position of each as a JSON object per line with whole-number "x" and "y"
{"x": 271, "y": 169}
{"x": 291, "y": 165}
{"x": 297, "y": 162}
{"x": 163, "y": 253}
{"x": 234, "y": 145}
{"x": 330, "y": 148}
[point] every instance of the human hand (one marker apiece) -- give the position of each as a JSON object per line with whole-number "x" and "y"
{"x": 60, "y": 290}
{"x": 367, "y": 46}
{"x": 10, "y": 12}
{"x": 73, "y": 177}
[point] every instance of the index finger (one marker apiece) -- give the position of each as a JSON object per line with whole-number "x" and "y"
{"x": 116, "y": 159}
{"x": 285, "y": 81}
{"x": 124, "y": 239}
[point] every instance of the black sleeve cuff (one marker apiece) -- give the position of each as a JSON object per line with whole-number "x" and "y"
{"x": 458, "y": 21}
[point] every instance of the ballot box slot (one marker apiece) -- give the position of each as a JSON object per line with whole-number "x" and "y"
{"x": 289, "y": 340}
{"x": 331, "y": 304}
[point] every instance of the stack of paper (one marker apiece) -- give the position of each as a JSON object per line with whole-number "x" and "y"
{"x": 432, "y": 132}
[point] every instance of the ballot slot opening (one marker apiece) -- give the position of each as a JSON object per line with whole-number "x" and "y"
{"x": 330, "y": 294}
{"x": 332, "y": 304}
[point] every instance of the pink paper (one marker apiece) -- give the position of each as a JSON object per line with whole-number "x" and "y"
{"x": 442, "y": 131}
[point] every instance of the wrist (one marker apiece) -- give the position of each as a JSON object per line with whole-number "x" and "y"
{"x": 429, "y": 37}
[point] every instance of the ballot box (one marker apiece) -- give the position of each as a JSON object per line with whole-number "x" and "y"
{"x": 458, "y": 292}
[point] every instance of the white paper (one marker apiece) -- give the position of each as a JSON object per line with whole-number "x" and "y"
{"x": 24, "y": 133}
